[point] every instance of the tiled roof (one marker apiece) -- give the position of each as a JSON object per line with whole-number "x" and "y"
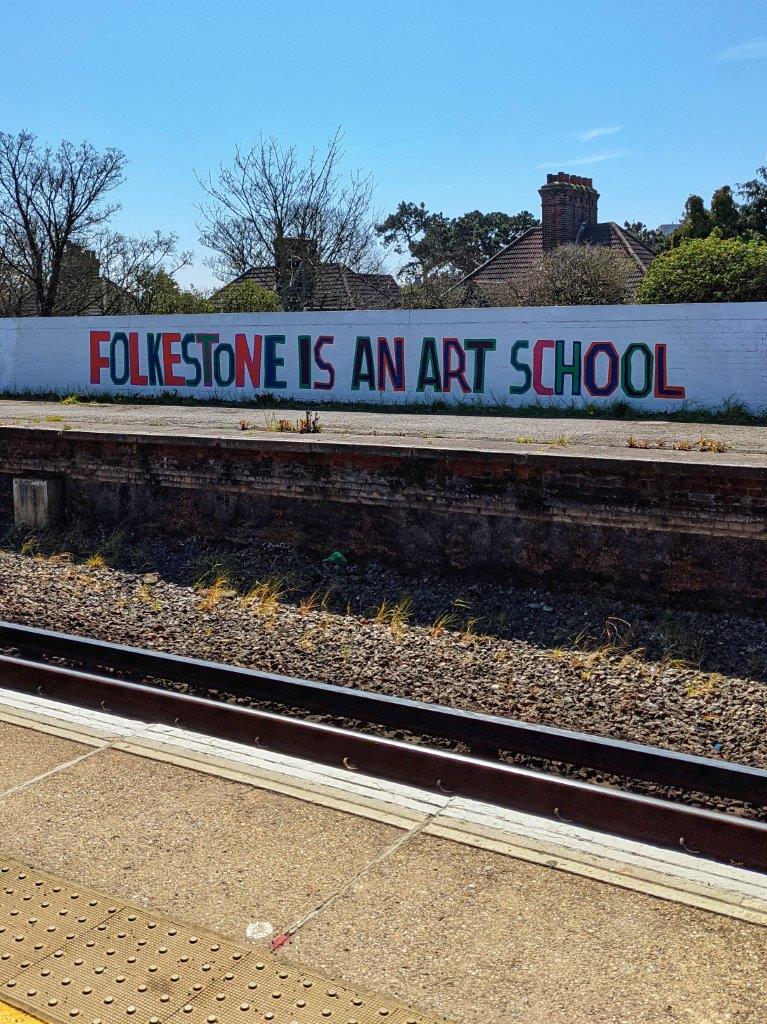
{"x": 521, "y": 254}
{"x": 338, "y": 287}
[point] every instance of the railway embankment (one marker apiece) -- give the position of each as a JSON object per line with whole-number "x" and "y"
{"x": 694, "y": 682}
{"x": 683, "y": 527}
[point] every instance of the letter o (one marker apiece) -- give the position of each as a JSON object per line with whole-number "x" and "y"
{"x": 595, "y": 349}
{"x": 221, "y": 380}
{"x": 626, "y": 369}
{"x": 122, "y": 338}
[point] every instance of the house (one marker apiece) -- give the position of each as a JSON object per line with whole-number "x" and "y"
{"x": 568, "y": 216}
{"x": 308, "y": 283}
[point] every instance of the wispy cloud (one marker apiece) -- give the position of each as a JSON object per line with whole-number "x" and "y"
{"x": 581, "y": 161}
{"x": 752, "y": 49}
{"x": 597, "y": 133}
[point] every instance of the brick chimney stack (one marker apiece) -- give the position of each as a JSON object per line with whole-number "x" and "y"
{"x": 567, "y": 202}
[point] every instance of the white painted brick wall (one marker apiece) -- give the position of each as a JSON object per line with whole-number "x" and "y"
{"x": 713, "y": 351}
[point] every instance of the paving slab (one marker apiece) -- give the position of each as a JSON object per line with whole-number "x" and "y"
{"x": 203, "y": 849}
{"x": 25, "y": 754}
{"x": 479, "y": 937}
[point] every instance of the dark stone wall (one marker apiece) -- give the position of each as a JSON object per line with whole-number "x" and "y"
{"x": 673, "y": 527}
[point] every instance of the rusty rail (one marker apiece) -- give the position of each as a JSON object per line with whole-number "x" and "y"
{"x": 712, "y": 834}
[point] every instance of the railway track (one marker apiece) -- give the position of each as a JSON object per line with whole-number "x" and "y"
{"x": 104, "y": 676}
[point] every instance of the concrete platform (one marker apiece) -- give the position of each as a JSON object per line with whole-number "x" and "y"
{"x": 499, "y": 432}
{"x": 503, "y": 921}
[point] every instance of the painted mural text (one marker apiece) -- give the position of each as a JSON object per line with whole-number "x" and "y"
{"x": 538, "y": 368}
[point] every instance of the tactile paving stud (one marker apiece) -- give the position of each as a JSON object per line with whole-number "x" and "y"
{"x": 39, "y": 912}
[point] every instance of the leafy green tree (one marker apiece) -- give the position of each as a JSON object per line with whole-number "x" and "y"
{"x": 696, "y": 222}
{"x": 708, "y": 270}
{"x": 653, "y": 238}
{"x": 754, "y": 209}
{"x": 726, "y": 216}
{"x": 161, "y": 293}
{"x": 437, "y": 244}
{"x": 246, "y": 297}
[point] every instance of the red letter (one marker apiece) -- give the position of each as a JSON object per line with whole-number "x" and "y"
{"x": 450, "y": 345}
{"x": 538, "y": 384}
{"x": 170, "y": 359}
{"x": 135, "y": 377}
{"x": 244, "y": 358}
{"x": 98, "y": 362}
{"x": 663, "y": 389}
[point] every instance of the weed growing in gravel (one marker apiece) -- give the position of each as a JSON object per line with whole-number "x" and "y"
{"x": 681, "y": 648}
{"x": 215, "y": 593}
{"x": 561, "y": 442}
{"x": 30, "y": 545}
{"x": 396, "y": 616}
{"x": 447, "y": 620}
{"x": 96, "y": 561}
{"x": 209, "y": 568}
{"x": 70, "y": 400}
{"x": 523, "y": 439}
{"x": 315, "y": 602}
{"x": 703, "y": 686}
{"x": 265, "y": 596}
{"x": 469, "y": 634}
{"x": 53, "y": 419}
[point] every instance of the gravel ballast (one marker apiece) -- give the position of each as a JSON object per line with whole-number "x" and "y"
{"x": 568, "y": 660}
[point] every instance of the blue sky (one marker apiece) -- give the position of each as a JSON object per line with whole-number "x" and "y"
{"x": 463, "y": 105}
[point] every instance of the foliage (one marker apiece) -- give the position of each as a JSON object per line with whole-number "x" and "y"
{"x": 728, "y": 218}
{"x": 160, "y": 293}
{"x": 653, "y": 238}
{"x": 246, "y": 297}
{"x": 576, "y": 275}
{"x": 57, "y": 253}
{"x": 754, "y": 208}
{"x": 708, "y": 270}
{"x": 270, "y": 208}
{"x": 438, "y": 291}
{"x": 437, "y": 244}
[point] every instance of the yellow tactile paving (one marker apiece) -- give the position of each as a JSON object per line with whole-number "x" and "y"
{"x": 10, "y": 1015}
{"x": 70, "y": 956}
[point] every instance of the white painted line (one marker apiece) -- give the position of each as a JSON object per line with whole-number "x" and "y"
{"x": 668, "y": 874}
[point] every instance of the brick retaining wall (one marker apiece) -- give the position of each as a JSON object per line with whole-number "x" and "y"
{"x": 673, "y": 526}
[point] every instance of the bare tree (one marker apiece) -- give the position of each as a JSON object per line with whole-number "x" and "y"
{"x": 50, "y": 199}
{"x": 271, "y": 209}
{"x": 130, "y": 265}
{"x": 57, "y": 254}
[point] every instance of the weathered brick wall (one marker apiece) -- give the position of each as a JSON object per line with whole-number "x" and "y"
{"x": 667, "y": 525}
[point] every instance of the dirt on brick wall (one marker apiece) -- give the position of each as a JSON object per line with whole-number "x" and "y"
{"x": 684, "y": 529}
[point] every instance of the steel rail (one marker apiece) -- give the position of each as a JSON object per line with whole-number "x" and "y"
{"x": 485, "y": 735}
{"x": 645, "y": 819}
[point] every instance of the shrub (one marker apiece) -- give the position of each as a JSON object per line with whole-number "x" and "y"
{"x": 708, "y": 270}
{"x": 577, "y": 275}
{"x": 162, "y": 294}
{"x": 246, "y": 297}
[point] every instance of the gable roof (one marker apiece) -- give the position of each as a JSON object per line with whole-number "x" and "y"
{"x": 337, "y": 287}
{"x": 521, "y": 255}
